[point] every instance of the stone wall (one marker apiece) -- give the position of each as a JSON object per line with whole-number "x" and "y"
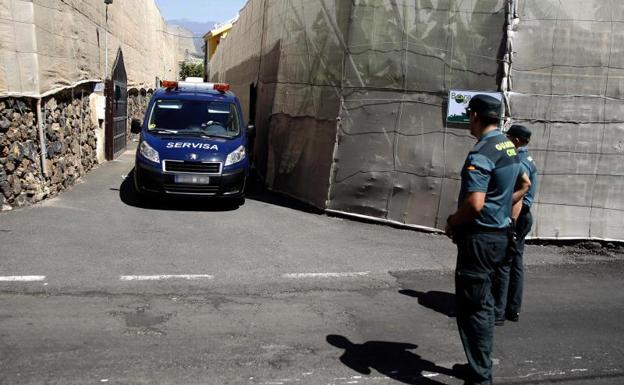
{"x": 137, "y": 104}
{"x": 70, "y": 134}
{"x": 71, "y": 140}
{"x": 21, "y": 179}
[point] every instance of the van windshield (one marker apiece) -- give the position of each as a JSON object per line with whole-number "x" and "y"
{"x": 203, "y": 118}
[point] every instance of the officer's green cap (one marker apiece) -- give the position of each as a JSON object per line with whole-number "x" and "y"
{"x": 520, "y": 132}
{"x": 485, "y": 106}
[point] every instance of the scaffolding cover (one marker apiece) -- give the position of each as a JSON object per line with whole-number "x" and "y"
{"x": 352, "y": 97}
{"x": 568, "y": 85}
{"x": 50, "y": 44}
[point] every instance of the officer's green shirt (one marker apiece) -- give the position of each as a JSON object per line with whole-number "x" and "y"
{"x": 492, "y": 167}
{"x": 529, "y": 167}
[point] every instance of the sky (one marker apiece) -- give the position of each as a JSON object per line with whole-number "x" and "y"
{"x": 200, "y": 10}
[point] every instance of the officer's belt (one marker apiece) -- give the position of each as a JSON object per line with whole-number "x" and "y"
{"x": 475, "y": 228}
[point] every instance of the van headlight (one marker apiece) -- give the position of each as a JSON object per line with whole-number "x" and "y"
{"x": 148, "y": 152}
{"x": 236, "y": 156}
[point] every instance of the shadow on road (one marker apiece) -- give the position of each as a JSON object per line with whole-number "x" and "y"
{"x": 128, "y": 195}
{"x": 392, "y": 359}
{"x": 254, "y": 191}
{"x": 439, "y": 301}
{"x": 257, "y": 191}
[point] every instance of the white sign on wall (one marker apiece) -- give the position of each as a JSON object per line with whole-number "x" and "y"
{"x": 458, "y": 101}
{"x": 99, "y": 88}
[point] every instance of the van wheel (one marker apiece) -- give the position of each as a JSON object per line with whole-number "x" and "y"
{"x": 140, "y": 194}
{"x": 137, "y": 190}
{"x": 239, "y": 201}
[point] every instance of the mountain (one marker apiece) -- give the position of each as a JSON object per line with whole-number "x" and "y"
{"x": 187, "y": 43}
{"x": 198, "y": 30}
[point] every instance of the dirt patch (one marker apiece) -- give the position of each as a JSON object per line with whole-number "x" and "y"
{"x": 585, "y": 251}
{"x": 141, "y": 321}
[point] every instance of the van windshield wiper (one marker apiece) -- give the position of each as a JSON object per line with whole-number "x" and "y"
{"x": 203, "y": 134}
{"x": 163, "y": 131}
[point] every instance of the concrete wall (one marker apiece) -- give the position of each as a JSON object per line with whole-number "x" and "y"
{"x": 46, "y": 45}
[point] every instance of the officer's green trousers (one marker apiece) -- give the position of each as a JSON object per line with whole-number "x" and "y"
{"x": 509, "y": 282}
{"x": 478, "y": 256}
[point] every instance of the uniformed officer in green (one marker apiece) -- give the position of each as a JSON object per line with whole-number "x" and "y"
{"x": 510, "y": 278}
{"x": 491, "y": 179}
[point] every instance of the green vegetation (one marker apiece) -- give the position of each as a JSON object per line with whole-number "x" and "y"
{"x": 463, "y": 118}
{"x": 191, "y": 70}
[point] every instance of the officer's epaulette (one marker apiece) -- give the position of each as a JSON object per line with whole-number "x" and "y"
{"x": 479, "y": 146}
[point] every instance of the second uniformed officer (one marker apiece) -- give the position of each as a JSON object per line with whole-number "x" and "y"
{"x": 509, "y": 285}
{"x": 491, "y": 180}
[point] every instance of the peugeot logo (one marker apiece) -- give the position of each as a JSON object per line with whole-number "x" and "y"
{"x": 193, "y": 156}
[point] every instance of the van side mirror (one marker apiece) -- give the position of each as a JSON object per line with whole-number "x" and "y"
{"x": 135, "y": 126}
{"x": 251, "y": 130}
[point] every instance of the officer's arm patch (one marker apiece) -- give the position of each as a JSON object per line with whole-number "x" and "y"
{"x": 476, "y": 174}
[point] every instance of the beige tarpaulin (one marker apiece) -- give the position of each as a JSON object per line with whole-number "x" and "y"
{"x": 50, "y": 44}
{"x": 568, "y": 85}
{"x": 352, "y": 100}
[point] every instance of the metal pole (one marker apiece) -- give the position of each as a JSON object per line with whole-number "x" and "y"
{"x": 106, "y": 44}
{"x": 42, "y": 138}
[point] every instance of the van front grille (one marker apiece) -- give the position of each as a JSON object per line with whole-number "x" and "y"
{"x": 193, "y": 167}
{"x": 191, "y": 189}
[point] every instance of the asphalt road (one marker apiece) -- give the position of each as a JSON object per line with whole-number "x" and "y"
{"x": 122, "y": 291}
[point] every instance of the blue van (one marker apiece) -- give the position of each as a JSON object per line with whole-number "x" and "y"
{"x": 193, "y": 142}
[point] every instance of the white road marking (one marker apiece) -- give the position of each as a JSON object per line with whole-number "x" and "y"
{"x": 325, "y": 275}
{"x": 164, "y": 277}
{"x": 23, "y": 278}
{"x": 546, "y": 374}
{"x": 373, "y": 379}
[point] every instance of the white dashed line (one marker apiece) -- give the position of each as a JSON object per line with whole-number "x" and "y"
{"x": 188, "y": 277}
{"x": 325, "y": 275}
{"x": 23, "y": 278}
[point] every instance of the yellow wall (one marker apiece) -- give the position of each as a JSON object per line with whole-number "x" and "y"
{"x": 214, "y": 38}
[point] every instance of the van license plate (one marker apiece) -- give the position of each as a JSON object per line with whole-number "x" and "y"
{"x": 192, "y": 179}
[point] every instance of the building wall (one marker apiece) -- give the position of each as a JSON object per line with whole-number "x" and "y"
{"x": 287, "y": 49}
{"x": 352, "y": 98}
{"x": 396, "y": 158}
{"x": 568, "y": 85}
{"x": 51, "y": 44}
